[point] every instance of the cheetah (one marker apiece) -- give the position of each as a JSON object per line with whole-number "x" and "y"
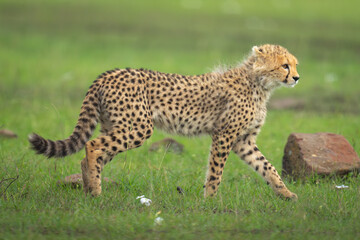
{"x": 229, "y": 105}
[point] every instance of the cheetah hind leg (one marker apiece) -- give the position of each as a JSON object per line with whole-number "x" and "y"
{"x": 101, "y": 150}
{"x": 91, "y": 172}
{"x": 85, "y": 178}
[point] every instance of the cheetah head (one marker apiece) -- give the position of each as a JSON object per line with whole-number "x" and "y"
{"x": 275, "y": 66}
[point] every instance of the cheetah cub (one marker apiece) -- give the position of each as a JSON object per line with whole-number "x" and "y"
{"x": 230, "y": 106}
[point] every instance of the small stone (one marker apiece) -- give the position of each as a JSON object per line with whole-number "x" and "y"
{"x": 75, "y": 181}
{"x": 319, "y": 153}
{"x": 7, "y": 133}
{"x": 168, "y": 144}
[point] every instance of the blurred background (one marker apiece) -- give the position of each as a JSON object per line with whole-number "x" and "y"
{"x": 51, "y": 51}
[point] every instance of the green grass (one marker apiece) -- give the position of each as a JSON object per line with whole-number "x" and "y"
{"x": 51, "y": 51}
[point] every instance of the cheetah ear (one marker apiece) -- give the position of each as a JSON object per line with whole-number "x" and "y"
{"x": 257, "y": 50}
{"x": 258, "y": 53}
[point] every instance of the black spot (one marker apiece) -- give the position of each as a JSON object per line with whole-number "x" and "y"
{"x": 88, "y": 135}
{"x": 212, "y": 178}
{"x": 63, "y": 148}
{"x": 114, "y": 148}
{"x": 137, "y": 143}
{"x": 71, "y": 147}
{"x": 52, "y": 148}
{"x": 245, "y": 137}
{"x": 84, "y": 120}
{"x": 76, "y": 135}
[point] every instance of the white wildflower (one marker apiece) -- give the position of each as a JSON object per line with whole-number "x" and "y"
{"x": 144, "y": 200}
{"x": 159, "y": 220}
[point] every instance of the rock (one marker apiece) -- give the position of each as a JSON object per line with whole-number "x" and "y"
{"x": 319, "y": 153}
{"x": 7, "y": 133}
{"x": 286, "y": 103}
{"x": 169, "y": 144}
{"x": 75, "y": 181}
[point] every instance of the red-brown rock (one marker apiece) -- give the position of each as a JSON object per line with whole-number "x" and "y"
{"x": 319, "y": 153}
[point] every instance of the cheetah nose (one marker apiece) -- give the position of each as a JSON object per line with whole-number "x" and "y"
{"x": 296, "y": 78}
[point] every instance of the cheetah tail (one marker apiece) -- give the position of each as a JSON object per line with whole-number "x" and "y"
{"x": 84, "y": 129}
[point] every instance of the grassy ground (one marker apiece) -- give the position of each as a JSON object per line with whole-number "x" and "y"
{"x": 51, "y": 51}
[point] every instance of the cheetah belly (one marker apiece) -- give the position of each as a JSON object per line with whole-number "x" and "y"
{"x": 183, "y": 125}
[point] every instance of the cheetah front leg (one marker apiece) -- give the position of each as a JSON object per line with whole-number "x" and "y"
{"x": 220, "y": 149}
{"x": 247, "y": 150}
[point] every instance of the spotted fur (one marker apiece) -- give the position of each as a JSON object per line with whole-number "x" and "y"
{"x": 229, "y": 105}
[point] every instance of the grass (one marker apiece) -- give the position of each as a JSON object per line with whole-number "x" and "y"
{"x": 51, "y": 52}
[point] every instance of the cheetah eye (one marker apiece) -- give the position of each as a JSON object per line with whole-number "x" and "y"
{"x": 285, "y": 66}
